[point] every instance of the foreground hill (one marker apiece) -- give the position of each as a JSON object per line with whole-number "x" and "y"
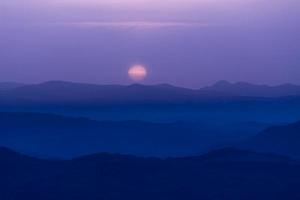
{"x": 18, "y": 170}
{"x": 278, "y": 139}
{"x": 225, "y": 174}
{"x": 53, "y": 135}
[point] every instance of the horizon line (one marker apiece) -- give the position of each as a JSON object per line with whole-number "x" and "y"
{"x": 144, "y": 84}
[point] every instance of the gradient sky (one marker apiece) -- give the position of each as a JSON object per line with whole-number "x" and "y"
{"x": 190, "y": 43}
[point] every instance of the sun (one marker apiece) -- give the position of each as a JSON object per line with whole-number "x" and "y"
{"x": 137, "y": 72}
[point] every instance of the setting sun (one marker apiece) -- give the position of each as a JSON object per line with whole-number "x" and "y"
{"x": 137, "y": 72}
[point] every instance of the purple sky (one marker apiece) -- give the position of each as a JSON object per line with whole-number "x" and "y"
{"x": 189, "y": 43}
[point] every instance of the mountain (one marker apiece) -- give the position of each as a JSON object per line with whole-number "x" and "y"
{"x": 49, "y": 135}
{"x": 60, "y": 92}
{"x": 82, "y": 93}
{"x": 4, "y": 86}
{"x": 112, "y": 176}
{"x": 155, "y": 103}
{"x": 68, "y": 92}
{"x": 237, "y": 155}
{"x": 252, "y": 90}
{"x": 278, "y": 139}
{"x": 18, "y": 170}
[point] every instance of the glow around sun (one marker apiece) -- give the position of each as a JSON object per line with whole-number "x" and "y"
{"x": 137, "y": 72}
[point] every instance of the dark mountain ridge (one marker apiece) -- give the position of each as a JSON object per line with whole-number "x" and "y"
{"x": 253, "y": 90}
{"x": 5, "y": 86}
{"x": 159, "y": 103}
{"x": 220, "y": 174}
{"x": 283, "y": 140}
{"x": 68, "y": 92}
{"x": 58, "y": 91}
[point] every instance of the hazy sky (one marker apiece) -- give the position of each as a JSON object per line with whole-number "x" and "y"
{"x": 184, "y": 42}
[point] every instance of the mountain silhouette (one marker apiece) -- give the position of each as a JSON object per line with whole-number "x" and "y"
{"x": 217, "y": 175}
{"x": 155, "y": 103}
{"x": 62, "y": 92}
{"x": 248, "y": 89}
{"x": 283, "y": 140}
{"x": 69, "y": 92}
{"x": 237, "y": 155}
{"x": 18, "y": 170}
{"x": 4, "y": 86}
{"x": 49, "y": 135}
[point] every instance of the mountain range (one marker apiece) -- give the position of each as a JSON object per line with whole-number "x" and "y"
{"x": 4, "y": 86}
{"x": 283, "y": 140}
{"x": 67, "y": 92}
{"x": 253, "y": 90}
{"x": 59, "y": 91}
{"x": 240, "y": 102}
{"x": 63, "y": 126}
{"x": 227, "y": 174}
{"x": 48, "y": 135}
